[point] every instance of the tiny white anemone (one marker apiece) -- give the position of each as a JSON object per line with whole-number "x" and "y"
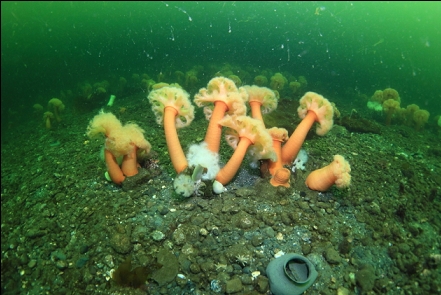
{"x": 218, "y": 187}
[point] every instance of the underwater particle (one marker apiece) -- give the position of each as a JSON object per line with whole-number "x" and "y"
{"x": 319, "y": 9}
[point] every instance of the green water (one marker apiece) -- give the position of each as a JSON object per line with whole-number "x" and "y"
{"x": 51, "y": 46}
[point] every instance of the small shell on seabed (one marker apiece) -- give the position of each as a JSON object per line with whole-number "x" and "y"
{"x": 279, "y": 253}
{"x": 279, "y": 236}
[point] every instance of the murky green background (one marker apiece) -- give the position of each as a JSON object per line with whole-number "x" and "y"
{"x": 49, "y": 46}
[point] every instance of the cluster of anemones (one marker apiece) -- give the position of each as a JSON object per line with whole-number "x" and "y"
{"x": 225, "y": 106}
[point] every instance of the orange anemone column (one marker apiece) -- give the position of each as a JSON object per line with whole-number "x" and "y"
{"x": 280, "y": 175}
{"x": 174, "y": 147}
{"x": 129, "y": 164}
{"x": 214, "y": 130}
{"x": 227, "y": 172}
{"x": 337, "y": 172}
{"x": 295, "y": 141}
{"x": 256, "y": 113}
{"x": 113, "y": 168}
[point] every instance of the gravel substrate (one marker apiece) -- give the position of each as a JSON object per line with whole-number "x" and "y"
{"x": 66, "y": 230}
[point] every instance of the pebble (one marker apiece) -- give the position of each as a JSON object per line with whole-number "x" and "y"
{"x": 157, "y": 235}
{"x": 332, "y": 256}
{"x": 233, "y": 286}
{"x": 32, "y": 263}
{"x": 304, "y": 206}
{"x": 256, "y": 240}
{"x": 81, "y": 262}
{"x": 61, "y": 264}
{"x": 216, "y": 286}
{"x": 84, "y": 249}
{"x": 120, "y": 242}
{"x": 262, "y": 284}
{"x": 194, "y": 268}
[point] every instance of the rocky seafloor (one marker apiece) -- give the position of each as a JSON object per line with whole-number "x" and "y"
{"x": 66, "y": 230}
